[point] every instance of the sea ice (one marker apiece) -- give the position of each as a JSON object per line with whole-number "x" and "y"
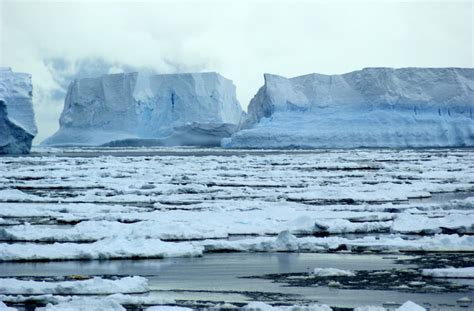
{"x": 4, "y": 307}
{"x": 324, "y": 272}
{"x": 261, "y": 306}
{"x": 96, "y": 285}
{"x": 410, "y": 223}
{"x": 410, "y": 306}
{"x": 463, "y": 273}
{"x": 85, "y": 304}
{"x": 110, "y": 248}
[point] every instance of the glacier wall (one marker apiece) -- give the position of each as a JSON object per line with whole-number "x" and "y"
{"x": 141, "y": 109}
{"x": 17, "y": 119}
{"x": 373, "y": 107}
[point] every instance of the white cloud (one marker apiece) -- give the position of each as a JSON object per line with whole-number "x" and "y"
{"x": 240, "y": 39}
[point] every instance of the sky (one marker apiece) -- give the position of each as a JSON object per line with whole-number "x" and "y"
{"x": 57, "y": 41}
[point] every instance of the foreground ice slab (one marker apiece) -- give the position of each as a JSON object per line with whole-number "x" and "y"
{"x": 286, "y": 242}
{"x": 373, "y": 107}
{"x": 17, "y": 119}
{"x": 111, "y": 248}
{"x": 331, "y": 272}
{"x": 136, "y": 109}
{"x": 96, "y": 285}
{"x": 466, "y": 273}
{"x": 258, "y": 305}
{"x": 85, "y": 304}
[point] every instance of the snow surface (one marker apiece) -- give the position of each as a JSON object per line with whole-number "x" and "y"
{"x": 373, "y": 107}
{"x": 167, "y": 308}
{"x": 132, "y": 206}
{"x": 324, "y": 272}
{"x": 410, "y": 223}
{"x": 17, "y": 118}
{"x": 96, "y": 285}
{"x": 85, "y": 304}
{"x": 121, "y": 299}
{"x": 4, "y": 307}
{"x": 258, "y": 305}
{"x": 410, "y": 306}
{"x": 109, "y": 248}
{"x": 141, "y": 109}
{"x": 370, "y": 308}
{"x": 463, "y": 273}
{"x": 387, "y": 243}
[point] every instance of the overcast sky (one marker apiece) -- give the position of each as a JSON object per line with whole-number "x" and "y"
{"x": 56, "y": 41}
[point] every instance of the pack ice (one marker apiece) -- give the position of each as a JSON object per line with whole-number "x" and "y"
{"x": 137, "y": 109}
{"x": 373, "y": 107}
{"x": 17, "y": 119}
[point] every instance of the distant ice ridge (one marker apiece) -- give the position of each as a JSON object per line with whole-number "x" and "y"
{"x": 17, "y": 118}
{"x": 373, "y": 107}
{"x": 137, "y": 109}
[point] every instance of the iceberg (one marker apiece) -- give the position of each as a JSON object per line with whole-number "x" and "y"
{"x": 138, "y": 109}
{"x": 17, "y": 118}
{"x": 372, "y": 107}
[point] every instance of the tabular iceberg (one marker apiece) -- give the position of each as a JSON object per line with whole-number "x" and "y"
{"x": 17, "y": 118}
{"x": 135, "y": 109}
{"x": 373, "y": 107}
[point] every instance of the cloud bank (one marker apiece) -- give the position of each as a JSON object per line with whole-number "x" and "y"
{"x": 57, "y": 41}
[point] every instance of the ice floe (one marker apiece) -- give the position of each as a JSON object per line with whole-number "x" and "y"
{"x": 96, "y": 285}
{"x": 464, "y": 273}
{"x": 324, "y": 272}
{"x": 110, "y": 248}
{"x": 410, "y": 306}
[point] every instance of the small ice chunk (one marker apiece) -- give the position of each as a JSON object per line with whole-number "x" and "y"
{"x": 324, "y": 272}
{"x": 410, "y": 306}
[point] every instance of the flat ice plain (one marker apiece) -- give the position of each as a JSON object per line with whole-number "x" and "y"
{"x": 211, "y": 227}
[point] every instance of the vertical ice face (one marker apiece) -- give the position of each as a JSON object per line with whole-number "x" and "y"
{"x": 17, "y": 119}
{"x": 373, "y": 107}
{"x": 135, "y": 106}
{"x": 182, "y": 99}
{"x": 105, "y": 103}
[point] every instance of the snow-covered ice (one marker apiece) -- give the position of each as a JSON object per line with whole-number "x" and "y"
{"x": 331, "y": 272}
{"x": 373, "y": 107}
{"x": 4, "y": 307}
{"x": 109, "y": 248}
{"x": 85, "y": 304}
{"x": 17, "y": 118}
{"x": 148, "y": 109}
{"x": 413, "y": 223}
{"x": 155, "y": 206}
{"x": 96, "y": 285}
{"x": 384, "y": 243}
{"x": 410, "y": 306}
{"x": 370, "y": 308}
{"x": 168, "y": 308}
{"x": 155, "y": 203}
{"x": 261, "y": 306}
{"x": 463, "y": 273}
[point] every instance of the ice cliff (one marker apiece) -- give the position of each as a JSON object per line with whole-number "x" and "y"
{"x": 373, "y": 107}
{"x": 17, "y": 118}
{"x": 135, "y": 109}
